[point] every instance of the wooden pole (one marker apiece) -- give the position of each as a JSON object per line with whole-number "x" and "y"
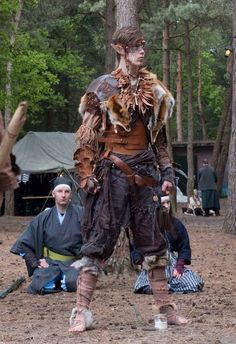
{"x": 11, "y": 133}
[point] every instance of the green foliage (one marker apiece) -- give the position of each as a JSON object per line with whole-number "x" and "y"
{"x": 210, "y": 27}
{"x": 49, "y": 68}
{"x": 60, "y": 48}
{"x": 32, "y": 72}
{"x": 212, "y": 94}
{"x": 92, "y": 6}
{"x": 72, "y": 67}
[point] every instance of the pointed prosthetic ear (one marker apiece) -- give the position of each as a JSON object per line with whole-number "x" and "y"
{"x": 118, "y": 48}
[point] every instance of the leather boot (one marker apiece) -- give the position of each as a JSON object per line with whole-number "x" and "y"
{"x": 81, "y": 318}
{"x": 162, "y": 298}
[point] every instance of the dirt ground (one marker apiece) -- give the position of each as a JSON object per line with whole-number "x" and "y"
{"x": 117, "y": 311}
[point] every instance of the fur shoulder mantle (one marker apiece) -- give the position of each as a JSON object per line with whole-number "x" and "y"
{"x": 114, "y": 91}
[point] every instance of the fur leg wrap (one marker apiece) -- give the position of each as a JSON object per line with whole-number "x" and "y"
{"x": 158, "y": 281}
{"x": 82, "y": 321}
{"x": 162, "y": 298}
{"x": 81, "y": 317}
{"x": 88, "y": 264}
{"x": 86, "y": 285}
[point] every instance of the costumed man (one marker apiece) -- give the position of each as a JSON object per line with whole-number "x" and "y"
{"x": 52, "y": 242}
{"x": 121, "y": 161}
{"x": 180, "y": 278}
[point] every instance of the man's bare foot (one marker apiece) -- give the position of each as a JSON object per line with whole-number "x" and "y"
{"x": 79, "y": 324}
{"x": 82, "y": 321}
{"x": 175, "y": 319}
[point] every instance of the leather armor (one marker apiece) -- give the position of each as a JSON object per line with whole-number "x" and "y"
{"x": 114, "y": 120}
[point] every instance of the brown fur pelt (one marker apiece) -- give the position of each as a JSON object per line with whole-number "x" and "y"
{"x": 149, "y": 92}
{"x": 117, "y": 112}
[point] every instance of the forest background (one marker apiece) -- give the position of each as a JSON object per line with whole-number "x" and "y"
{"x": 51, "y": 50}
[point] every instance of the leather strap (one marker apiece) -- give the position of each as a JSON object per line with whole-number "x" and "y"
{"x": 130, "y": 174}
{"x": 122, "y": 141}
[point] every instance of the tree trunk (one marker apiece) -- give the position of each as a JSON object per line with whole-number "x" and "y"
{"x": 223, "y": 156}
{"x": 126, "y": 13}
{"x": 166, "y": 76}
{"x": 179, "y": 98}
{"x": 221, "y": 147}
{"x": 229, "y": 224}
{"x": 221, "y": 127}
{"x": 199, "y": 97}
{"x": 166, "y": 81}
{"x": 9, "y": 195}
{"x": 119, "y": 262}
{"x": 109, "y": 29}
{"x": 190, "y": 182}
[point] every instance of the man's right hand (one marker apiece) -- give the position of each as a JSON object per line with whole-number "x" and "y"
{"x": 92, "y": 185}
{"x": 43, "y": 263}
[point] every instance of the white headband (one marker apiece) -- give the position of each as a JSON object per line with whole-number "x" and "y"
{"x": 62, "y": 185}
{"x": 165, "y": 199}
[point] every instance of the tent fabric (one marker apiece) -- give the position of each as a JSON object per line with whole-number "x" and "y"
{"x": 41, "y": 152}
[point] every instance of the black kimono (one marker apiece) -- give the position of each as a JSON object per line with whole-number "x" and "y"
{"x": 45, "y": 237}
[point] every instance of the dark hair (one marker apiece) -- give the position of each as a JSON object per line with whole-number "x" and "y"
{"x": 129, "y": 36}
{"x": 166, "y": 222}
{"x": 60, "y": 180}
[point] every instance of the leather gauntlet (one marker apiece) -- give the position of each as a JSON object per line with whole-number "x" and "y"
{"x": 84, "y": 164}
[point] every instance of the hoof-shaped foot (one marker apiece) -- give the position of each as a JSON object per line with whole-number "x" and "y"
{"x": 80, "y": 322}
{"x": 175, "y": 319}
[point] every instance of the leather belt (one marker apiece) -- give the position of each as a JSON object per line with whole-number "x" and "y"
{"x": 125, "y": 143}
{"x": 130, "y": 174}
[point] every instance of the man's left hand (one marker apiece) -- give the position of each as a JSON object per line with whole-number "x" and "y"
{"x": 166, "y": 186}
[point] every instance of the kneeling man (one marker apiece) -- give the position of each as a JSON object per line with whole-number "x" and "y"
{"x": 52, "y": 242}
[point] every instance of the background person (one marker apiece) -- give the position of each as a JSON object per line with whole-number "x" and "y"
{"x": 207, "y": 184}
{"x": 180, "y": 278}
{"x": 195, "y": 204}
{"x": 52, "y": 242}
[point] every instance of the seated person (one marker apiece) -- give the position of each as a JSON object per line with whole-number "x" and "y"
{"x": 180, "y": 278}
{"x": 195, "y": 204}
{"x": 52, "y": 242}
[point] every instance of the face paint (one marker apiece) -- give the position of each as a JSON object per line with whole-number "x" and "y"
{"x": 138, "y": 48}
{"x": 135, "y": 55}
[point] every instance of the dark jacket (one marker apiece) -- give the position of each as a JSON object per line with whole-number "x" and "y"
{"x": 207, "y": 178}
{"x": 181, "y": 244}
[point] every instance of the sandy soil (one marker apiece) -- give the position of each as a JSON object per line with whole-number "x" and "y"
{"x": 119, "y": 314}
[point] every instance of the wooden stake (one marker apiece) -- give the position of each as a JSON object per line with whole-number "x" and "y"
{"x": 11, "y": 133}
